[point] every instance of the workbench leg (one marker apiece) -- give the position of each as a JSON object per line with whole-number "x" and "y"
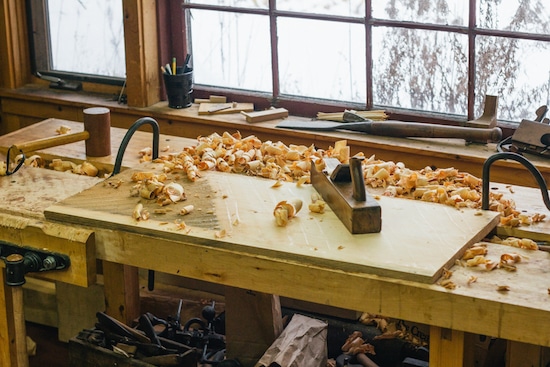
{"x": 121, "y": 283}
{"x": 13, "y": 332}
{"x": 76, "y": 308}
{"x": 446, "y": 347}
{"x": 253, "y": 321}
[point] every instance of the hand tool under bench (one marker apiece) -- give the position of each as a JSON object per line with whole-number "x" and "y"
{"x": 342, "y": 187}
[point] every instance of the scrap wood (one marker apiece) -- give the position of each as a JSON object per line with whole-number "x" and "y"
{"x": 266, "y": 115}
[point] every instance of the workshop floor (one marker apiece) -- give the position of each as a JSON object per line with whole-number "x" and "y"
{"x": 49, "y": 350}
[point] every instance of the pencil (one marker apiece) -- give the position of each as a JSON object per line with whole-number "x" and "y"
{"x": 174, "y": 65}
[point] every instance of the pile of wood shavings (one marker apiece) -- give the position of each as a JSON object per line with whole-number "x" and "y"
{"x": 476, "y": 257}
{"x": 292, "y": 163}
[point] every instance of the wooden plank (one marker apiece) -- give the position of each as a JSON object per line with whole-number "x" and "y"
{"x": 20, "y": 329}
{"x": 266, "y": 115}
{"x": 417, "y": 240}
{"x": 446, "y": 347}
{"x": 254, "y": 322}
{"x": 224, "y": 108}
{"x": 14, "y": 44}
{"x": 121, "y": 286}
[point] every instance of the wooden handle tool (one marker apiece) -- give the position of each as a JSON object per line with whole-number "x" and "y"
{"x": 50, "y": 142}
{"x": 400, "y": 129}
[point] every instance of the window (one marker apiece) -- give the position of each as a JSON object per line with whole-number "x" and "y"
{"x": 421, "y": 56}
{"x": 81, "y": 40}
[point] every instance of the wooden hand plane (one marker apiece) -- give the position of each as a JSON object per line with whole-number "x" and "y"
{"x": 342, "y": 187}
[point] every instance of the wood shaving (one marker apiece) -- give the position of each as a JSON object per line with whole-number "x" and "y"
{"x": 281, "y": 162}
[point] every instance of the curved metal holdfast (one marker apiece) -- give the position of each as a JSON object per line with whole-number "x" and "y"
{"x": 19, "y": 163}
{"x": 518, "y": 158}
{"x": 155, "y": 153}
{"x": 124, "y": 143}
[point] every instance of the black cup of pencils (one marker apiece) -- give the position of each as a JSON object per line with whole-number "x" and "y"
{"x": 178, "y": 81}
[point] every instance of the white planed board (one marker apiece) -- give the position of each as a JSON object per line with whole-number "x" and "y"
{"x": 416, "y": 242}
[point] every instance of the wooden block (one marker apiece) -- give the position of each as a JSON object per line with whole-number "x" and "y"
{"x": 223, "y": 108}
{"x": 271, "y": 114}
{"x": 212, "y": 99}
{"x": 218, "y": 99}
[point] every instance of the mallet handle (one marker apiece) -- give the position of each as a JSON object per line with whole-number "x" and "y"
{"x": 54, "y": 141}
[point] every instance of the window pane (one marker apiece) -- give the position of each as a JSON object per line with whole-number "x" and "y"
{"x": 354, "y": 8}
{"x": 421, "y": 70}
{"x": 452, "y": 12}
{"x": 231, "y": 50}
{"x": 517, "y": 71}
{"x": 87, "y": 37}
{"x": 515, "y": 15}
{"x": 322, "y": 59}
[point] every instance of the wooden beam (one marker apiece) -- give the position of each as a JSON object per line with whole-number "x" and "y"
{"x": 446, "y": 347}
{"x": 14, "y": 59}
{"x": 255, "y": 322}
{"x": 141, "y": 42}
{"x": 121, "y": 284}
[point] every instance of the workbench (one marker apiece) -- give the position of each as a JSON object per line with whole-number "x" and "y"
{"x": 310, "y": 273}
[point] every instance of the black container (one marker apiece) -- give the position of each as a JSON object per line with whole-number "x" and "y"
{"x": 179, "y": 88}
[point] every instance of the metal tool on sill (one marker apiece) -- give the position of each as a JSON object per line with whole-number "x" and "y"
{"x": 58, "y": 83}
{"x": 399, "y": 129}
{"x": 342, "y": 187}
{"x": 531, "y": 136}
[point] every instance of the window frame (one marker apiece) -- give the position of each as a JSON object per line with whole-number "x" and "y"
{"x": 40, "y": 49}
{"x": 309, "y": 106}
